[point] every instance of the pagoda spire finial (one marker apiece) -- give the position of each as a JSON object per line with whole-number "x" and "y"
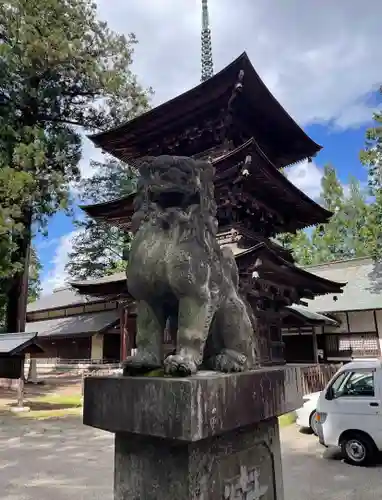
{"x": 207, "y": 63}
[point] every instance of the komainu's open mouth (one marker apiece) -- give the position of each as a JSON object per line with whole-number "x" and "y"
{"x": 173, "y": 199}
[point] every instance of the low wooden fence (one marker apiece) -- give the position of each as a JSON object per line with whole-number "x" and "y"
{"x": 315, "y": 377}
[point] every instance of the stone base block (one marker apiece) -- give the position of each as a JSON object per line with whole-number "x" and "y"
{"x": 208, "y": 437}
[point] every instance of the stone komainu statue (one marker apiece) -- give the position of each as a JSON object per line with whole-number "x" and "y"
{"x": 178, "y": 273}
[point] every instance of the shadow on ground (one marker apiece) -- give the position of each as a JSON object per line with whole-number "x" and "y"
{"x": 62, "y": 459}
{"x": 57, "y": 459}
{"x": 47, "y": 406}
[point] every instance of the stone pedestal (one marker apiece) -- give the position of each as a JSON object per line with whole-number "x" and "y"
{"x": 212, "y": 436}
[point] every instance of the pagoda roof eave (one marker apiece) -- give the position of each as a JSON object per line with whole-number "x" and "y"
{"x": 320, "y": 286}
{"x": 306, "y": 212}
{"x": 274, "y": 177}
{"x": 298, "y": 277}
{"x": 115, "y": 284}
{"x": 105, "y": 208}
{"x": 123, "y": 141}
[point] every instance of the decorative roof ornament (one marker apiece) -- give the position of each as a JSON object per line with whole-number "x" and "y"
{"x": 207, "y": 62}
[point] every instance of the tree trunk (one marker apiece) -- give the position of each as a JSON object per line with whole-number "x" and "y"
{"x": 21, "y": 387}
{"x": 17, "y": 296}
{"x": 32, "y": 372}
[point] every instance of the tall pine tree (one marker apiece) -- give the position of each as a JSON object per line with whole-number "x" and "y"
{"x": 356, "y": 216}
{"x": 328, "y": 239}
{"x": 348, "y": 232}
{"x": 61, "y": 70}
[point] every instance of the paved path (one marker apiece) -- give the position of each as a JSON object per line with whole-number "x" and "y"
{"x": 65, "y": 460}
{"x": 313, "y": 473}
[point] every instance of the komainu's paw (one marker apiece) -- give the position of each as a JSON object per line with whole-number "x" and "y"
{"x": 139, "y": 364}
{"x": 229, "y": 361}
{"x": 182, "y": 366}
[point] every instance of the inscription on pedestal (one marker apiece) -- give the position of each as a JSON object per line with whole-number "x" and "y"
{"x": 248, "y": 474}
{"x": 246, "y": 486}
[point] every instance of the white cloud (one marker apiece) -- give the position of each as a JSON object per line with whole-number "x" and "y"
{"x": 320, "y": 58}
{"x": 307, "y": 177}
{"x": 89, "y": 152}
{"x": 57, "y": 276}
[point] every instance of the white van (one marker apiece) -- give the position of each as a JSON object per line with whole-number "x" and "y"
{"x": 349, "y": 411}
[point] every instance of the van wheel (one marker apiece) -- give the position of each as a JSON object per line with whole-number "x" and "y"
{"x": 358, "y": 449}
{"x": 313, "y": 423}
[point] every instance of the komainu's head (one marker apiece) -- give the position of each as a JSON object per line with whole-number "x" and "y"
{"x": 175, "y": 190}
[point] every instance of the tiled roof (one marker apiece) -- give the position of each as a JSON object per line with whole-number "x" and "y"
{"x": 83, "y": 324}
{"x": 111, "y": 278}
{"x": 61, "y": 297}
{"x": 363, "y": 290}
{"x": 15, "y": 343}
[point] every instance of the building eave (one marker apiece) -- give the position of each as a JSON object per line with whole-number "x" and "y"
{"x": 310, "y": 317}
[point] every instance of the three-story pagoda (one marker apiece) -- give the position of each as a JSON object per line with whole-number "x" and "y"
{"x": 234, "y": 121}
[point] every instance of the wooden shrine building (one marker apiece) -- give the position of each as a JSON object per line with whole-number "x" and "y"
{"x": 233, "y": 121}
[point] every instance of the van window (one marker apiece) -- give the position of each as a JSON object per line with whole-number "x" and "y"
{"x": 354, "y": 384}
{"x": 338, "y": 384}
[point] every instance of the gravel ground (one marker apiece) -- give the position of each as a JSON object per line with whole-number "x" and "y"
{"x": 63, "y": 460}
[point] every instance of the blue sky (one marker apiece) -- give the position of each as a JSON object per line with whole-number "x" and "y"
{"x": 322, "y": 62}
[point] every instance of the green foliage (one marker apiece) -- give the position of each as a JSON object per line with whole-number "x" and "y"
{"x": 302, "y": 248}
{"x": 371, "y": 157}
{"x": 329, "y": 239}
{"x": 15, "y": 189}
{"x": 62, "y": 71}
{"x": 98, "y": 248}
{"x": 348, "y": 233}
{"x": 358, "y": 237}
{"x": 34, "y": 283}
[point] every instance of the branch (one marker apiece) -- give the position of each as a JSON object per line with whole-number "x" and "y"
{"x": 113, "y": 251}
{"x": 79, "y": 93}
{"x": 61, "y": 120}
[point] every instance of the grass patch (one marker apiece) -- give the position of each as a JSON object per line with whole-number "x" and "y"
{"x": 55, "y": 400}
{"x": 287, "y": 419}
{"x": 47, "y": 414}
{"x": 50, "y": 406}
